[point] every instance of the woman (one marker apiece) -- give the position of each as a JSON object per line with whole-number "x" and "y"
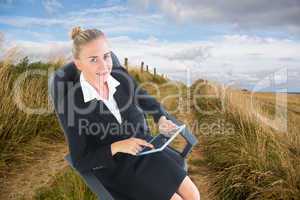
{"x": 101, "y": 116}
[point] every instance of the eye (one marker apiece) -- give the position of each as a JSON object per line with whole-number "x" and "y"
{"x": 106, "y": 56}
{"x": 93, "y": 60}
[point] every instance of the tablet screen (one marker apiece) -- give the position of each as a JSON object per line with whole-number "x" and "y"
{"x": 159, "y": 140}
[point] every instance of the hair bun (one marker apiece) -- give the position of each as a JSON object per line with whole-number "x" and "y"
{"x": 75, "y": 31}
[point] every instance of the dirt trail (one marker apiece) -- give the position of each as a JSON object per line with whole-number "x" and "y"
{"x": 23, "y": 181}
{"x": 197, "y": 170}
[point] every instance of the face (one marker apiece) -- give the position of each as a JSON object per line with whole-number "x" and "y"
{"x": 95, "y": 61}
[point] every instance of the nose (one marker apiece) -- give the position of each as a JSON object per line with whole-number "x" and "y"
{"x": 103, "y": 67}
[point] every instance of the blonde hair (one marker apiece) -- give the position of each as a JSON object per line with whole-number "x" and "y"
{"x": 81, "y": 37}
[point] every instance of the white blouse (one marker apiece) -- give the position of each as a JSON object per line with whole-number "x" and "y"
{"x": 90, "y": 93}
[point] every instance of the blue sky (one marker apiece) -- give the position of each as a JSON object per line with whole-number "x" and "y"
{"x": 239, "y": 42}
{"x": 165, "y": 28}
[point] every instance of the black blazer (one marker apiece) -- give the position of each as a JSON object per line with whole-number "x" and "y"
{"x": 88, "y": 130}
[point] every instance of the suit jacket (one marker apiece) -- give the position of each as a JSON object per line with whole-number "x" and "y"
{"x": 90, "y": 128}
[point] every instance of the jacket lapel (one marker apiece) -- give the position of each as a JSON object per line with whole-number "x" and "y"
{"x": 123, "y": 100}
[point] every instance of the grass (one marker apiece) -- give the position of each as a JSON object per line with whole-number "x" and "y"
{"x": 17, "y": 127}
{"x": 67, "y": 185}
{"x": 255, "y": 161}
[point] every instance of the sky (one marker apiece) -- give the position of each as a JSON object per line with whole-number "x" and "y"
{"x": 252, "y": 44}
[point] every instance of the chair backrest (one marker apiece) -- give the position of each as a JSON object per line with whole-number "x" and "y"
{"x": 92, "y": 182}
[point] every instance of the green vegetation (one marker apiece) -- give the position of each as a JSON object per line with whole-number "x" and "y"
{"x": 66, "y": 185}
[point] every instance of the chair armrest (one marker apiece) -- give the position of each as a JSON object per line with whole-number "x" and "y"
{"x": 186, "y": 134}
{"x": 92, "y": 182}
{"x": 177, "y": 157}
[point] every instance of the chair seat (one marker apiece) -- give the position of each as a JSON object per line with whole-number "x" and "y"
{"x": 181, "y": 161}
{"x": 118, "y": 196}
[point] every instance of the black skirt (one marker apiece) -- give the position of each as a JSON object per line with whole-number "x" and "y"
{"x": 155, "y": 176}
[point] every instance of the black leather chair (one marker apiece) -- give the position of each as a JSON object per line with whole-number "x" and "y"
{"x": 90, "y": 179}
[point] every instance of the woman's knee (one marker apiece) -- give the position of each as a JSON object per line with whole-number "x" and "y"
{"x": 188, "y": 190}
{"x": 176, "y": 197}
{"x": 195, "y": 195}
{"x": 192, "y": 195}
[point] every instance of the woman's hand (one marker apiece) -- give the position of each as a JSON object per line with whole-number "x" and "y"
{"x": 165, "y": 125}
{"x": 131, "y": 146}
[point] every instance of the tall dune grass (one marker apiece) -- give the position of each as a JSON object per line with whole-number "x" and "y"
{"x": 256, "y": 161}
{"x": 19, "y": 128}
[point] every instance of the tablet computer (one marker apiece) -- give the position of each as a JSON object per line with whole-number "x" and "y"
{"x": 161, "y": 141}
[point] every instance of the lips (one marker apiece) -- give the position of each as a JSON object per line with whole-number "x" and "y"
{"x": 102, "y": 74}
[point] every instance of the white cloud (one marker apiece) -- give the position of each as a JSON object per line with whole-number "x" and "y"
{"x": 52, "y": 6}
{"x": 91, "y": 11}
{"x": 241, "y": 14}
{"x": 233, "y": 58}
{"x": 113, "y": 19}
{"x": 29, "y": 22}
{"x": 192, "y": 52}
{"x": 44, "y": 51}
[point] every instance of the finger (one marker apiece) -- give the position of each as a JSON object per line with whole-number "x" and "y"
{"x": 162, "y": 129}
{"x": 139, "y": 141}
{"x": 171, "y": 124}
{"x": 138, "y": 148}
{"x": 144, "y": 143}
{"x": 133, "y": 152}
{"x": 174, "y": 125}
{"x": 167, "y": 128}
{"x": 166, "y": 125}
{"x": 147, "y": 145}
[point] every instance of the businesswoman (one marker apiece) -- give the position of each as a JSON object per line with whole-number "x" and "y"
{"x": 102, "y": 118}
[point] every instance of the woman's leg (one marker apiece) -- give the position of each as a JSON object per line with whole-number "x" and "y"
{"x": 188, "y": 190}
{"x": 176, "y": 197}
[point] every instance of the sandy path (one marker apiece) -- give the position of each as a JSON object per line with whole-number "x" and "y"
{"x": 22, "y": 182}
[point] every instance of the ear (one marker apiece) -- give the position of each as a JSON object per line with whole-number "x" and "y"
{"x": 77, "y": 64}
